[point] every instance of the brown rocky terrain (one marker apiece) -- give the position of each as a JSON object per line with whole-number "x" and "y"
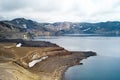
{"x": 15, "y": 61}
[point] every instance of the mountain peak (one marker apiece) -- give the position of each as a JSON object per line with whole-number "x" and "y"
{"x": 19, "y": 19}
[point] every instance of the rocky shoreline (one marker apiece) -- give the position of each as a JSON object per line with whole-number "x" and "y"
{"x": 53, "y": 60}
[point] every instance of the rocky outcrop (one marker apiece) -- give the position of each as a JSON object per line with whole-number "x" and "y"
{"x": 52, "y": 61}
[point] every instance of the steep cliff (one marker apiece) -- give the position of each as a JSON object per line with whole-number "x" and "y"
{"x": 36, "y": 63}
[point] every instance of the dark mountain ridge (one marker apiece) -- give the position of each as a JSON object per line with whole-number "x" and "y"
{"x": 34, "y": 28}
{"x": 8, "y": 30}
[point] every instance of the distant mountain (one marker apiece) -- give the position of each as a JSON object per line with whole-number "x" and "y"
{"x": 32, "y": 27}
{"x": 24, "y": 23}
{"x": 10, "y": 31}
{"x": 103, "y": 28}
{"x": 61, "y": 28}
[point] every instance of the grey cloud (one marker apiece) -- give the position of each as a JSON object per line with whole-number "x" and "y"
{"x": 2, "y": 18}
{"x": 8, "y": 6}
{"x": 60, "y": 10}
{"x": 11, "y": 5}
{"x": 44, "y": 5}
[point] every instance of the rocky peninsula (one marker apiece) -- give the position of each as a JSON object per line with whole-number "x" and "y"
{"x": 36, "y": 60}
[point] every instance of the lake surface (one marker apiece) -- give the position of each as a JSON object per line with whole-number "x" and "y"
{"x": 104, "y": 66}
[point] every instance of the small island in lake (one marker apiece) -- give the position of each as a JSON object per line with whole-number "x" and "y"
{"x": 36, "y": 60}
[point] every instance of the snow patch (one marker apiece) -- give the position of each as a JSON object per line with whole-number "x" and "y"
{"x": 87, "y": 29}
{"x": 32, "y": 63}
{"x": 24, "y": 25}
{"x": 17, "y": 22}
{"x": 80, "y": 26}
{"x": 19, "y": 45}
{"x": 74, "y": 25}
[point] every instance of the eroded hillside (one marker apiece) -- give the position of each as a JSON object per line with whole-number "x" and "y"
{"x": 15, "y": 62}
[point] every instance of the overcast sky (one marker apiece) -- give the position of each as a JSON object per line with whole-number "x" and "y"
{"x": 61, "y": 10}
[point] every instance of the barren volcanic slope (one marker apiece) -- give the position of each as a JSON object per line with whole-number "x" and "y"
{"x": 52, "y": 61}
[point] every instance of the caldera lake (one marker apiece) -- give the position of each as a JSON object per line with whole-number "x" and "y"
{"x": 104, "y": 66}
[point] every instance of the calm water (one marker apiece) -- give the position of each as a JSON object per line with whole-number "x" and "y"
{"x": 104, "y": 66}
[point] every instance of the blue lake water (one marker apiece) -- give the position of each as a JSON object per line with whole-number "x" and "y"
{"x": 104, "y": 66}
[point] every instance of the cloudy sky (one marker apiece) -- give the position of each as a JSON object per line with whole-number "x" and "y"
{"x": 61, "y": 10}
